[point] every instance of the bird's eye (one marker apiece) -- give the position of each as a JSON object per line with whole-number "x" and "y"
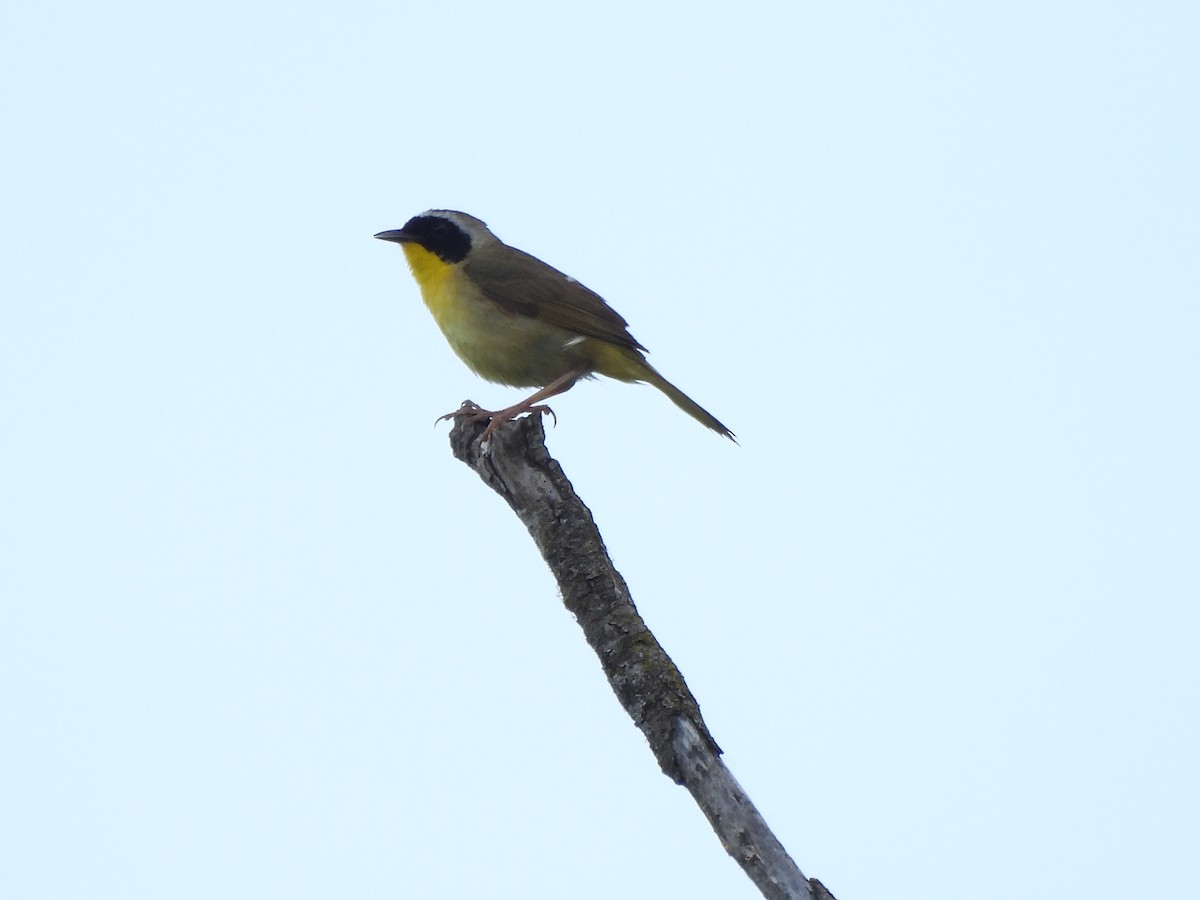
{"x": 439, "y": 229}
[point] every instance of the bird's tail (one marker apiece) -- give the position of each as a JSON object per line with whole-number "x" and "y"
{"x": 686, "y": 403}
{"x": 628, "y": 364}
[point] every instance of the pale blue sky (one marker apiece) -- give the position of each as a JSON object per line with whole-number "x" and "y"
{"x": 936, "y": 265}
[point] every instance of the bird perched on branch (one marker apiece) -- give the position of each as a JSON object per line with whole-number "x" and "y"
{"x": 517, "y": 321}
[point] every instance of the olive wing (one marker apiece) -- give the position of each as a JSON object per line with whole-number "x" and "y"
{"x": 524, "y": 285}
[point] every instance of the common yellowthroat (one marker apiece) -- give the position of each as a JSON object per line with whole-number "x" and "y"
{"x": 517, "y": 321}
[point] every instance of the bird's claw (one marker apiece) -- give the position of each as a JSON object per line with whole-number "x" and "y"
{"x": 473, "y": 412}
{"x": 468, "y": 409}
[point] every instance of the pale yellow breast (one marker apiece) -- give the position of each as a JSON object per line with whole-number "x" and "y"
{"x": 500, "y": 346}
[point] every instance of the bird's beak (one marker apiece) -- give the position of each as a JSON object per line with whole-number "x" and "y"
{"x": 399, "y": 236}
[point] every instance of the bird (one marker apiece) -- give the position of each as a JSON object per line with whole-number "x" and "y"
{"x": 518, "y": 321}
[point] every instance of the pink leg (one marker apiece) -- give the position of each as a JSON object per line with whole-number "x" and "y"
{"x": 531, "y": 404}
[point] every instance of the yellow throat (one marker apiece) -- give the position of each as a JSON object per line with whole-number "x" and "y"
{"x": 433, "y": 274}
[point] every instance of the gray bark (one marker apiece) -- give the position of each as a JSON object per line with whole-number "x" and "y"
{"x": 517, "y": 465}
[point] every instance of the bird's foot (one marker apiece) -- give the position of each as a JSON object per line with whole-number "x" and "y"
{"x": 473, "y": 412}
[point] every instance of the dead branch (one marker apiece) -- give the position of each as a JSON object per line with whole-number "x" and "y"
{"x": 519, "y": 468}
